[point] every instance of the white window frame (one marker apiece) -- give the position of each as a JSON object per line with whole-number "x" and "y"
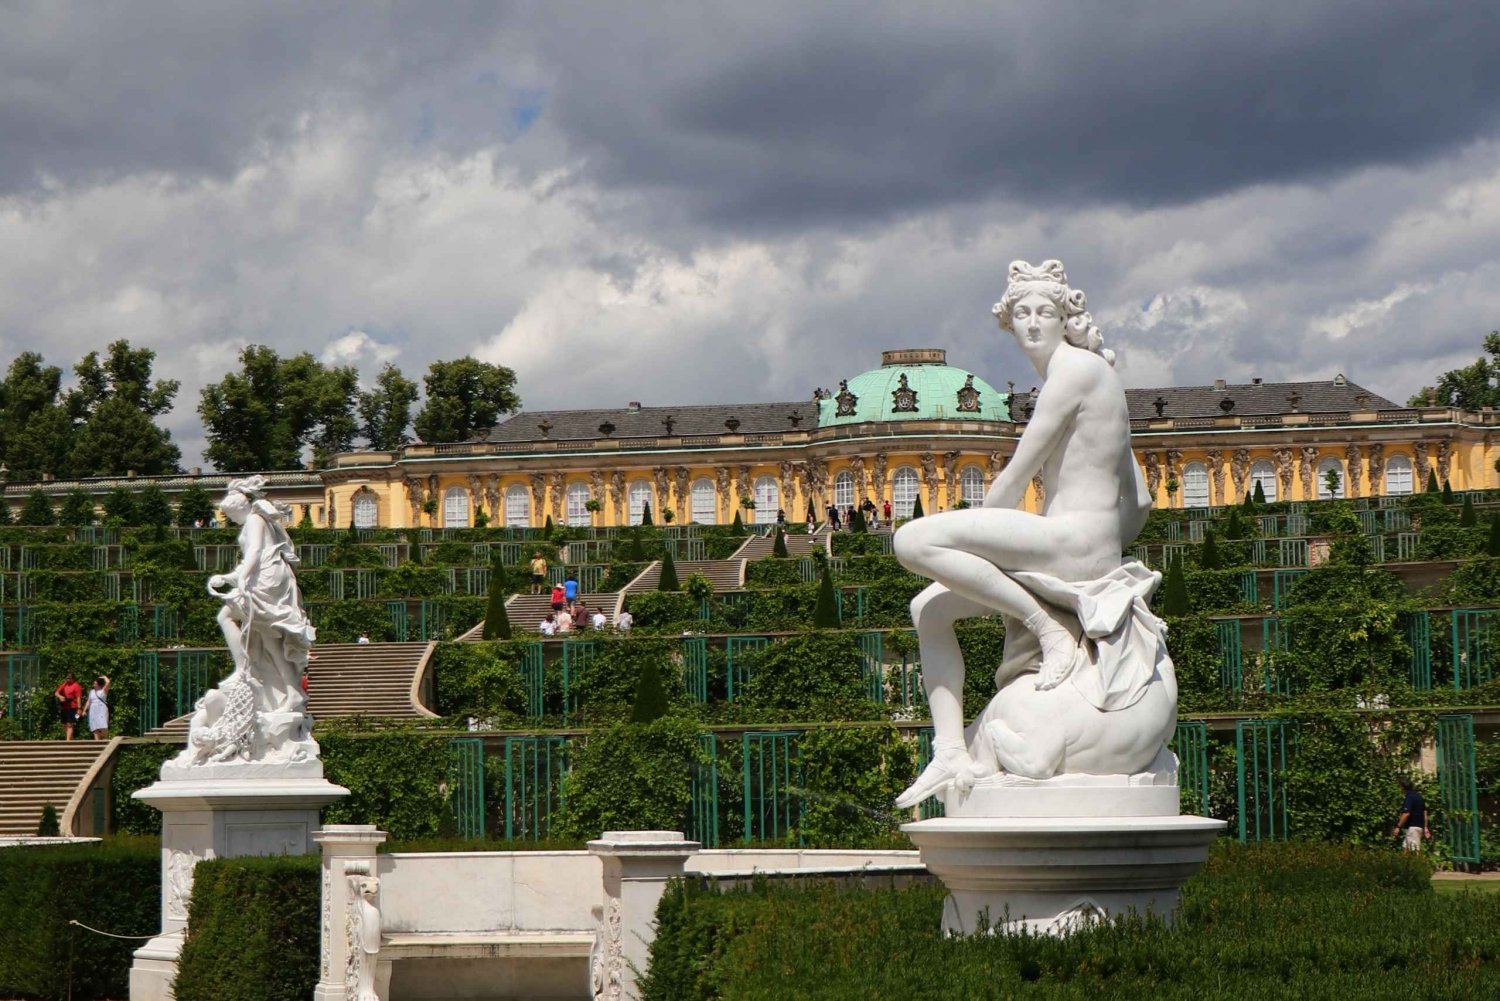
{"x": 971, "y": 485}
{"x": 517, "y": 506}
{"x": 843, "y": 491}
{"x": 767, "y": 499}
{"x": 576, "y": 501}
{"x": 366, "y": 510}
{"x": 906, "y": 487}
{"x": 704, "y": 502}
{"x": 455, "y": 508}
{"x": 1195, "y": 484}
{"x": 1263, "y": 471}
{"x": 1404, "y": 482}
{"x": 638, "y": 495}
{"x": 1324, "y": 464}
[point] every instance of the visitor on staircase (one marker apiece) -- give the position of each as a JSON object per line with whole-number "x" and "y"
{"x": 558, "y": 597}
{"x": 538, "y": 572}
{"x": 69, "y": 697}
{"x": 98, "y": 708}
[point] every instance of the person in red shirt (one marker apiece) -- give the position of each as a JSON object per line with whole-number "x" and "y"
{"x": 558, "y": 597}
{"x": 69, "y": 696}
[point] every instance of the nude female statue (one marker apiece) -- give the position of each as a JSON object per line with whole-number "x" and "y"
{"x": 1055, "y": 576}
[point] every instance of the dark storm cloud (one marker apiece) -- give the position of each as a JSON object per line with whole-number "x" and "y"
{"x": 790, "y": 115}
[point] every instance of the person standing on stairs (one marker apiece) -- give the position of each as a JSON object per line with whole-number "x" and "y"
{"x": 98, "y": 708}
{"x": 538, "y": 572}
{"x": 69, "y": 697}
{"x": 570, "y": 588}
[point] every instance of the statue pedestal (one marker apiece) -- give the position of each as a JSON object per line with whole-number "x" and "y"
{"x": 1051, "y": 874}
{"x": 221, "y": 811}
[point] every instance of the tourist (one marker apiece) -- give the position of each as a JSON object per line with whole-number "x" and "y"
{"x": 885, "y": 512}
{"x": 833, "y": 517}
{"x": 781, "y": 519}
{"x": 538, "y": 572}
{"x": 625, "y": 621}
{"x": 364, "y": 639}
{"x": 98, "y": 708}
{"x": 598, "y": 621}
{"x": 548, "y": 626}
{"x": 868, "y": 507}
{"x": 1412, "y": 825}
{"x": 564, "y": 621}
{"x": 580, "y": 612}
{"x": 812, "y": 518}
{"x": 69, "y": 697}
{"x": 570, "y": 588}
{"x": 558, "y": 597}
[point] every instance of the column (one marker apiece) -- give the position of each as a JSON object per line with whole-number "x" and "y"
{"x": 343, "y": 845}
{"x": 637, "y": 865}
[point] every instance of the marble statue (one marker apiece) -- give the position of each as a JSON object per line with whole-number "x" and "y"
{"x": 258, "y": 713}
{"x": 1085, "y": 687}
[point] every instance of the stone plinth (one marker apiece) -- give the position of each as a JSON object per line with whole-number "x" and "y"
{"x": 346, "y": 848}
{"x": 1051, "y": 874}
{"x": 637, "y": 865}
{"x": 221, "y": 816}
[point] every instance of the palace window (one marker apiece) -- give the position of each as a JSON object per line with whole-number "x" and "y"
{"x": 456, "y": 508}
{"x": 971, "y": 485}
{"x": 1398, "y": 476}
{"x": 638, "y": 497}
{"x": 365, "y": 510}
{"x": 767, "y": 500}
{"x": 1264, "y": 473}
{"x": 517, "y": 506}
{"x": 577, "y": 498}
{"x": 1330, "y": 465}
{"x": 843, "y": 491}
{"x": 904, "y": 487}
{"x": 705, "y": 502}
{"x": 1195, "y": 485}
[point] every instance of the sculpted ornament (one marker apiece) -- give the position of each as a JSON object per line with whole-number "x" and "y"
{"x": 1239, "y": 471}
{"x": 1215, "y": 458}
{"x": 857, "y": 467}
{"x": 1305, "y": 461}
{"x": 1375, "y": 463}
{"x": 1284, "y": 471}
{"x": 361, "y": 933}
{"x": 1153, "y": 473}
{"x": 1352, "y": 457}
{"x": 1444, "y": 459}
{"x": 1086, "y": 693}
{"x": 1419, "y": 459}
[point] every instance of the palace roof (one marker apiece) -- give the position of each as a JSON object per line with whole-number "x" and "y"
{"x": 1336, "y": 395}
{"x": 652, "y": 422}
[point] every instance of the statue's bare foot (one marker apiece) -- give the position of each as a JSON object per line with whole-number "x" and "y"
{"x": 950, "y": 766}
{"x": 1058, "y": 649}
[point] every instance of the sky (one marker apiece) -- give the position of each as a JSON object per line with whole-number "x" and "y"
{"x": 690, "y": 203}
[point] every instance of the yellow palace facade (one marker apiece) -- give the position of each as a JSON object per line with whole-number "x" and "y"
{"x": 914, "y": 427}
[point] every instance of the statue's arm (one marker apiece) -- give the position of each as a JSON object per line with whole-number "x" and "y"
{"x": 1056, "y": 407}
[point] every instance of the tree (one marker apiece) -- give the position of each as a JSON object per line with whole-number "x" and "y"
{"x": 1470, "y": 387}
{"x": 1466, "y": 517}
{"x": 77, "y": 509}
{"x": 778, "y": 548}
{"x": 1432, "y": 483}
{"x": 1208, "y": 557}
{"x": 120, "y": 503}
{"x": 668, "y": 579}
{"x": 496, "y": 619}
{"x": 650, "y": 697}
{"x": 1447, "y": 491}
{"x": 273, "y": 409}
{"x": 1174, "y": 596}
{"x": 37, "y": 510}
{"x": 385, "y": 410}
{"x": 916, "y": 509}
{"x": 1259, "y": 496}
{"x": 857, "y": 523}
{"x": 646, "y": 513}
{"x": 36, "y": 432}
{"x": 464, "y": 398}
{"x": 152, "y": 506}
{"x": 194, "y": 505}
{"x": 737, "y": 527}
{"x": 1234, "y": 528}
{"x": 1332, "y": 482}
{"x": 826, "y": 611}
{"x": 48, "y": 826}
{"x": 1492, "y": 548}
{"x": 114, "y": 408}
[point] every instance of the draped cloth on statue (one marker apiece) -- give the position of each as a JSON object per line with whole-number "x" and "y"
{"x": 1121, "y": 642}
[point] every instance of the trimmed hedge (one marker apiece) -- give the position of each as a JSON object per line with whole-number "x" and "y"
{"x": 253, "y": 931}
{"x": 630, "y": 776}
{"x": 114, "y": 886}
{"x": 1277, "y": 921}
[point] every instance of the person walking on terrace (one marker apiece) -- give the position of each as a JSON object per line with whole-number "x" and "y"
{"x": 570, "y": 588}
{"x": 1412, "y": 827}
{"x": 98, "y": 708}
{"x": 69, "y": 697}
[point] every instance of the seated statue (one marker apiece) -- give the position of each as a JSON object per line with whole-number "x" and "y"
{"x": 1085, "y": 684}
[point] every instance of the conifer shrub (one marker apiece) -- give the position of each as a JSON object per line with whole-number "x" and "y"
{"x": 646, "y": 514}
{"x": 1258, "y": 497}
{"x": 1174, "y": 594}
{"x": 916, "y": 509}
{"x": 650, "y": 702}
{"x": 668, "y": 579}
{"x": 826, "y": 611}
{"x": 1466, "y": 517}
{"x": 1432, "y": 482}
{"x": 857, "y": 523}
{"x": 1447, "y": 491}
{"x": 496, "y": 620}
{"x": 778, "y": 548}
{"x": 1492, "y": 545}
{"x": 1208, "y": 556}
{"x": 49, "y": 826}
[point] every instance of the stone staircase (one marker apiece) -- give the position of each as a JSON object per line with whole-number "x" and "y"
{"x": 724, "y": 575}
{"x": 525, "y": 611}
{"x": 350, "y": 679}
{"x": 760, "y": 546}
{"x": 34, "y": 773}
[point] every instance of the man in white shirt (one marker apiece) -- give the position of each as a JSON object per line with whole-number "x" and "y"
{"x": 598, "y": 621}
{"x": 624, "y": 622}
{"x": 548, "y": 626}
{"x": 364, "y": 638}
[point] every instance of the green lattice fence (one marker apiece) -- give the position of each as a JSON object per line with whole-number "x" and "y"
{"x": 1458, "y": 786}
{"x": 534, "y": 771}
{"x": 466, "y": 785}
{"x": 1262, "y": 750}
{"x": 772, "y": 778}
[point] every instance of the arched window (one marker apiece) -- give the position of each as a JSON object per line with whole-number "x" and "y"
{"x": 1398, "y": 476}
{"x": 639, "y": 496}
{"x": 517, "y": 506}
{"x": 705, "y": 502}
{"x": 1262, "y": 472}
{"x": 767, "y": 500}
{"x": 577, "y": 497}
{"x": 843, "y": 490}
{"x": 1195, "y": 485}
{"x": 1330, "y": 465}
{"x": 365, "y": 509}
{"x": 971, "y": 485}
{"x": 456, "y": 508}
{"x": 904, "y": 486}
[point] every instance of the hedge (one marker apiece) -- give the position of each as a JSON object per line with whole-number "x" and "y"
{"x": 114, "y": 886}
{"x": 630, "y": 776}
{"x": 1282, "y": 921}
{"x": 253, "y": 931}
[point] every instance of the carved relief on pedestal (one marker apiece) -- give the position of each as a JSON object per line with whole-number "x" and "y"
{"x": 1283, "y": 457}
{"x": 950, "y": 476}
{"x": 607, "y": 957}
{"x": 1356, "y": 472}
{"x": 180, "y": 881}
{"x": 361, "y": 932}
{"x": 1305, "y": 459}
{"x": 1215, "y": 458}
{"x": 1239, "y": 471}
{"x": 1153, "y": 474}
{"x": 556, "y": 487}
{"x": 1375, "y": 464}
{"x": 1419, "y": 459}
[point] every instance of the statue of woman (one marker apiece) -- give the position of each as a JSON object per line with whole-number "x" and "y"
{"x": 268, "y": 633}
{"x": 1073, "y": 612}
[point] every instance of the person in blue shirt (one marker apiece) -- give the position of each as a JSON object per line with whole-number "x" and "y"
{"x": 1412, "y": 826}
{"x": 570, "y": 589}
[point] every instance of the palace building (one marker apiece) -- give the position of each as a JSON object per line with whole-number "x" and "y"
{"x": 914, "y": 427}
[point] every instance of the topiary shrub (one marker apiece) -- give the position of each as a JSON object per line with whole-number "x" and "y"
{"x": 496, "y": 621}
{"x": 826, "y": 611}
{"x": 778, "y": 548}
{"x": 1174, "y": 595}
{"x": 668, "y": 578}
{"x": 1208, "y": 556}
{"x": 650, "y": 702}
{"x": 1466, "y": 517}
{"x": 49, "y": 826}
{"x": 916, "y": 509}
{"x": 253, "y": 931}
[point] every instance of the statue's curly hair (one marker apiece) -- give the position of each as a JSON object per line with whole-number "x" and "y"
{"x": 1052, "y": 281}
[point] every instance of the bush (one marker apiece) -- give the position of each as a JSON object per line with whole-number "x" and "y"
{"x": 481, "y": 680}
{"x": 851, "y": 777}
{"x": 825, "y": 612}
{"x": 114, "y": 886}
{"x": 668, "y": 579}
{"x": 1277, "y": 921}
{"x": 253, "y": 931}
{"x": 631, "y": 776}
{"x": 817, "y": 675}
{"x": 136, "y": 767}
{"x": 395, "y": 779}
{"x": 772, "y": 572}
{"x": 496, "y": 621}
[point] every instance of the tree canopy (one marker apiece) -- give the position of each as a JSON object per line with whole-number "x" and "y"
{"x": 464, "y": 398}
{"x": 266, "y": 415}
{"x": 1470, "y": 387}
{"x": 385, "y": 410}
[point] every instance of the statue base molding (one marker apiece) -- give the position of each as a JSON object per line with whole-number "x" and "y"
{"x": 1052, "y": 875}
{"x": 1145, "y": 794}
{"x": 221, "y": 811}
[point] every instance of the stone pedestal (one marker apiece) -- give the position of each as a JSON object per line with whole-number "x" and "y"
{"x": 637, "y": 865}
{"x": 1052, "y": 874}
{"x": 221, "y": 811}
{"x": 347, "y": 849}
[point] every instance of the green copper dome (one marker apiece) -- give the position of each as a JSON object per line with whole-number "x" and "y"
{"x": 915, "y": 384}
